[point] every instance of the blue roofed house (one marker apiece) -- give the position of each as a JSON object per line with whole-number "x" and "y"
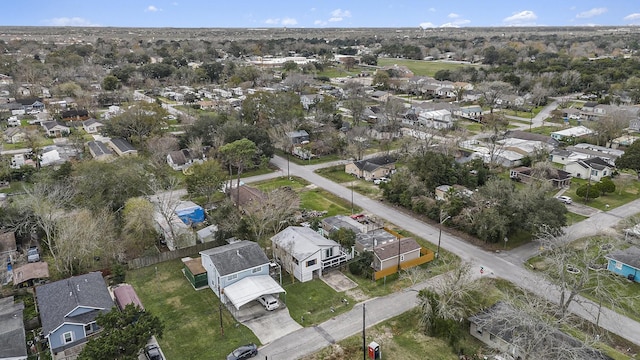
{"x": 625, "y": 262}
{"x": 68, "y": 310}
{"x": 238, "y": 273}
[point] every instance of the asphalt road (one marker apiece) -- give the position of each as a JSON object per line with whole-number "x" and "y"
{"x": 309, "y": 340}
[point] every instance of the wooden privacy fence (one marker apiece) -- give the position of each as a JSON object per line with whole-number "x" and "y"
{"x": 426, "y": 255}
{"x": 170, "y": 255}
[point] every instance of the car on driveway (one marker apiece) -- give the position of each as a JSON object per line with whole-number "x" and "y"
{"x": 565, "y": 199}
{"x": 382, "y": 180}
{"x": 243, "y": 352}
{"x": 269, "y": 302}
{"x": 152, "y": 352}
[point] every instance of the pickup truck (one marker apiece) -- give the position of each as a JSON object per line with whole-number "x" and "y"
{"x": 33, "y": 255}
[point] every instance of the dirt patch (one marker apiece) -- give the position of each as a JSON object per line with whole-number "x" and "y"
{"x": 338, "y": 281}
{"x": 357, "y": 295}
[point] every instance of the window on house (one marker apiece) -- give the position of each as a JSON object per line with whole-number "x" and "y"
{"x": 492, "y": 337}
{"x": 619, "y": 265}
{"x": 232, "y": 277}
{"x": 311, "y": 262}
{"x": 256, "y": 269}
{"x": 329, "y": 252}
{"x": 479, "y": 330}
{"x": 296, "y": 261}
{"x": 88, "y": 329}
{"x": 594, "y": 172}
{"x": 67, "y": 337}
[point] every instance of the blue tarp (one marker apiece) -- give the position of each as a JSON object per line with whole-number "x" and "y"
{"x": 191, "y": 215}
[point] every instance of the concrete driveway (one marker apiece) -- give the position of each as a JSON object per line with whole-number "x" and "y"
{"x": 267, "y": 325}
{"x": 338, "y": 281}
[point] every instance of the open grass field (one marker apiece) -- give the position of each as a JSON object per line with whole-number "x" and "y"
{"x": 321, "y": 200}
{"x": 420, "y": 67}
{"x": 191, "y": 318}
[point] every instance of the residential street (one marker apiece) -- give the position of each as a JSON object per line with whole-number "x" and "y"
{"x": 502, "y": 265}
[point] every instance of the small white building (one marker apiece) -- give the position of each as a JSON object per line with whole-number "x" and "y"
{"x": 571, "y": 133}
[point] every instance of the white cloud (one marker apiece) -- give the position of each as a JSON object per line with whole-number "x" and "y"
{"x": 591, "y": 13}
{"x": 284, "y": 21}
{"x": 453, "y": 16}
{"x": 427, "y": 24}
{"x": 289, "y": 21}
{"x": 339, "y": 15}
{"x": 152, "y": 8}
{"x": 526, "y": 17}
{"x": 633, "y": 19}
{"x": 69, "y": 21}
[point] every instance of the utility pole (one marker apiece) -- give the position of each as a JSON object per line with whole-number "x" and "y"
{"x": 364, "y": 338}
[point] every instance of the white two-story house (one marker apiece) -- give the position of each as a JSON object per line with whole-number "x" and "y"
{"x": 305, "y": 253}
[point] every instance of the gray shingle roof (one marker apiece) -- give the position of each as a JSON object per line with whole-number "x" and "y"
{"x": 301, "y": 242}
{"x": 513, "y": 325}
{"x": 98, "y": 148}
{"x": 57, "y": 299}
{"x": 122, "y": 145}
{"x": 374, "y": 163}
{"x": 232, "y": 258}
{"x": 12, "y": 336}
{"x": 391, "y": 249}
{"x": 629, "y": 256}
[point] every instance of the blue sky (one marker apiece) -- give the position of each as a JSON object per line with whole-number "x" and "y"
{"x": 319, "y": 13}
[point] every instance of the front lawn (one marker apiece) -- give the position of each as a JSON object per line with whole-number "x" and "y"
{"x": 608, "y": 201}
{"x": 317, "y": 160}
{"x": 191, "y": 318}
{"x": 337, "y": 174}
{"x": 294, "y": 183}
{"x": 313, "y": 302}
{"x": 399, "y": 338}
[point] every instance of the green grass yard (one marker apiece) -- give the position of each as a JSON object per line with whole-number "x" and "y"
{"x": 310, "y": 303}
{"x": 191, "y": 318}
{"x": 608, "y": 201}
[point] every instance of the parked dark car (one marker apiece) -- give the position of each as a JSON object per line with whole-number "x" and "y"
{"x": 243, "y": 352}
{"x": 152, "y": 352}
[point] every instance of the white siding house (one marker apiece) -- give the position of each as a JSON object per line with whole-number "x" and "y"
{"x": 305, "y": 253}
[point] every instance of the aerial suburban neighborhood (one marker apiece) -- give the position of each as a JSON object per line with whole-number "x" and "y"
{"x": 319, "y": 193}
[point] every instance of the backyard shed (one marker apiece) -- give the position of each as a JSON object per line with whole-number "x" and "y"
{"x": 124, "y": 295}
{"x": 195, "y": 272}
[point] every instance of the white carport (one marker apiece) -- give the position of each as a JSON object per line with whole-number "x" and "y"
{"x": 251, "y": 288}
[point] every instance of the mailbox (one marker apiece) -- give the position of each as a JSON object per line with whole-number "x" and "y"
{"x": 374, "y": 351}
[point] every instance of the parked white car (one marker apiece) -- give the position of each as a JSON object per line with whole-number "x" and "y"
{"x": 269, "y": 302}
{"x": 381, "y": 180}
{"x": 565, "y": 199}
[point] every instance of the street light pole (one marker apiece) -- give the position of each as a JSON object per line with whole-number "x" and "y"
{"x": 440, "y": 233}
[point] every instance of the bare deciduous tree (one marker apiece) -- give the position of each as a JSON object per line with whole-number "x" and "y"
{"x": 273, "y": 213}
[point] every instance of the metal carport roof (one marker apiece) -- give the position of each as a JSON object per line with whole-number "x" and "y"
{"x": 251, "y": 288}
